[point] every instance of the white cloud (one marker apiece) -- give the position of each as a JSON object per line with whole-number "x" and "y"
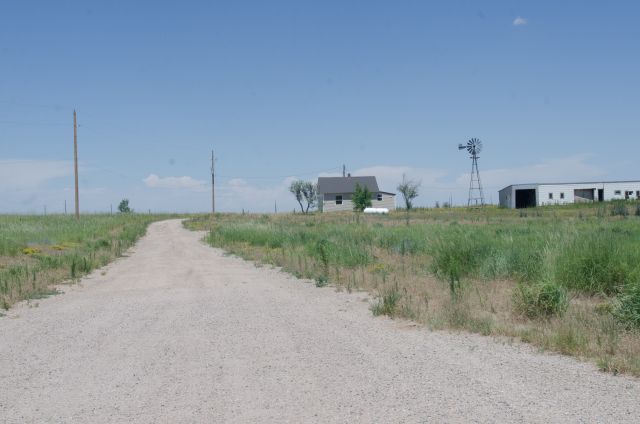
{"x": 30, "y": 174}
{"x": 174, "y": 182}
{"x": 519, "y": 21}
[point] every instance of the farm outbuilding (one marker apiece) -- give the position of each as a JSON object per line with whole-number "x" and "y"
{"x": 532, "y": 195}
{"x": 336, "y": 193}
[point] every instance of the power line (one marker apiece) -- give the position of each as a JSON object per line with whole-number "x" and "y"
{"x": 40, "y": 124}
{"x": 264, "y": 177}
{"x": 119, "y": 174}
{"x": 43, "y": 106}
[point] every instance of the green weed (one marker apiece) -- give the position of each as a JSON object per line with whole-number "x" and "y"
{"x": 387, "y": 303}
{"x": 627, "y": 309}
{"x": 536, "y": 300}
{"x": 322, "y": 281}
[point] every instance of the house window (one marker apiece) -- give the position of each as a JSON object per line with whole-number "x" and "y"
{"x": 550, "y": 196}
{"x": 379, "y": 197}
{"x": 339, "y": 200}
{"x": 617, "y": 192}
{"x": 562, "y": 195}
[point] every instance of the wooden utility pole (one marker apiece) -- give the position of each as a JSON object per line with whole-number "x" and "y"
{"x": 75, "y": 161}
{"x": 213, "y": 185}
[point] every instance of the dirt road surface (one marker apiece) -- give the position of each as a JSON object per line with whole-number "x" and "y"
{"x": 179, "y": 333}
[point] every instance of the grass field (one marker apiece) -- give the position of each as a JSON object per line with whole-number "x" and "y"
{"x": 37, "y": 252}
{"x": 565, "y": 279}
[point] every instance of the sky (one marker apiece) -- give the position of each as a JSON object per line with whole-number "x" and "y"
{"x": 286, "y": 90}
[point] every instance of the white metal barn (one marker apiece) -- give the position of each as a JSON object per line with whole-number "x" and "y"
{"x": 531, "y": 195}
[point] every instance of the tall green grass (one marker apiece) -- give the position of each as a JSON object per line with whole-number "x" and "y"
{"x": 341, "y": 246}
{"x": 37, "y": 251}
{"x": 601, "y": 259}
{"x": 588, "y": 254}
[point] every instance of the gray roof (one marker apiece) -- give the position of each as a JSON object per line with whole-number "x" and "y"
{"x": 346, "y": 184}
{"x": 574, "y": 183}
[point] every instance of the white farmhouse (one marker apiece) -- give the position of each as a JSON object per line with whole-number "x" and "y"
{"x": 532, "y": 195}
{"x": 336, "y": 193}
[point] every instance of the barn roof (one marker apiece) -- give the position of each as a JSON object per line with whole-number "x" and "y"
{"x": 346, "y": 184}
{"x": 595, "y": 183}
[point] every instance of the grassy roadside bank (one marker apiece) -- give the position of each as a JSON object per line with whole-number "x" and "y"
{"x": 565, "y": 279}
{"x": 37, "y": 252}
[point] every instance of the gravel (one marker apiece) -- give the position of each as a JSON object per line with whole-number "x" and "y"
{"x": 179, "y": 332}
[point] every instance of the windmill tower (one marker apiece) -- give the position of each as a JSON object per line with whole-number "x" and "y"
{"x": 476, "y": 196}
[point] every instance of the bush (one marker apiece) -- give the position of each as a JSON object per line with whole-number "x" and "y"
{"x": 619, "y": 209}
{"x": 361, "y": 198}
{"x": 123, "y": 207}
{"x": 321, "y": 281}
{"x": 540, "y": 300}
{"x": 322, "y": 250}
{"x": 627, "y": 310}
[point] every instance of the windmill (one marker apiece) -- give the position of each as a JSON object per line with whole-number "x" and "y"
{"x": 476, "y": 196}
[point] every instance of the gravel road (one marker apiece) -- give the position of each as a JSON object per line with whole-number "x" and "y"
{"x": 178, "y": 332}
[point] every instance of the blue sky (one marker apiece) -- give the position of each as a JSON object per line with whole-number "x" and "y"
{"x": 294, "y": 89}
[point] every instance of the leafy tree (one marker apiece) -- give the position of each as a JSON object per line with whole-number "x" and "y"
{"x": 409, "y": 190}
{"x": 304, "y": 190}
{"x": 124, "y": 206}
{"x": 361, "y": 198}
{"x": 310, "y": 194}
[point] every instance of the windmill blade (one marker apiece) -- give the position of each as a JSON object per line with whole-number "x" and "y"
{"x": 474, "y": 146}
